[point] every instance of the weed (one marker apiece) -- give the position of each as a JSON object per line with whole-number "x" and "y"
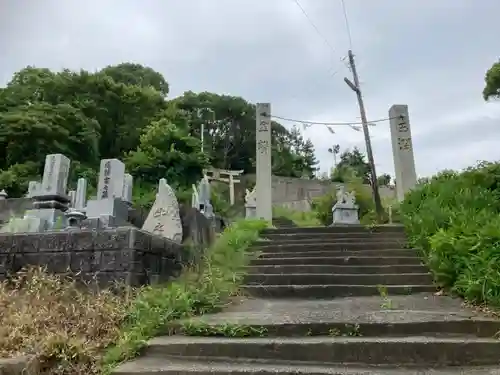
{"x": 386, "y": 301}
{"x": 300, "y": 218}
{"x": 334, "y": 332}
{"x": 352, "y": 330}
{"x": 199, "y": 328}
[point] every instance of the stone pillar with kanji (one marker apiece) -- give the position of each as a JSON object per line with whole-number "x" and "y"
{"x": 263, "y": 184}
{"x": 402, "y": 150}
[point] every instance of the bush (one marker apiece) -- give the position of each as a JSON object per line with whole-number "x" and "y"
{"x": 322, "y": 206}
{"x": 300, "y": 218}
{"x": 75, "y": 331}
{"x": 454, "y": 219}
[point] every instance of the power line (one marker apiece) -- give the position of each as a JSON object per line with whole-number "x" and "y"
{"x": 331, "y": 123}
{"x": 325, "y": 40}
{"x": 348, "y": 29}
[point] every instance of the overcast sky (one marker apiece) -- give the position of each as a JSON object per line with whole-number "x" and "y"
{"x": 431, "y": 55}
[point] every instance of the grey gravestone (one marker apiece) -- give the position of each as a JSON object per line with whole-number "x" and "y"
{"x": 128, "y": 184}
{"x": 33, "y": 187}
{"x": 345, "y": 210}
{"x": 204, "y": 196}
{"x": 50, "y": 199}
{"x": 111, "y": 179}
{"x": 72, "y": 197}
{"x": 164, "y": 218}
{"x": 195, "y": 198}
{"x": 109, "y": 208}
{"x": 81, "y": 194}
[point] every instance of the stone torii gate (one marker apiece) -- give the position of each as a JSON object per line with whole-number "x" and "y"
{"x": 224, "y": 175}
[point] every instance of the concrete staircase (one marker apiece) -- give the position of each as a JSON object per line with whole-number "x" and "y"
{"x": 342, "y": 300}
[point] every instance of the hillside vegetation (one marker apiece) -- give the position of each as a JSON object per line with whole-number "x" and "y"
{"x": 455, "y": 219}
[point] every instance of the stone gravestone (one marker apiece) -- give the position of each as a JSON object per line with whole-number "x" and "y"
{"x": 109, "y": 207}
{"x": 402, "y": 150}
{"x": 33, "y": 187}
{"x": 195, "y": 198}
{"x": 128, "y": 185}
{"x": 164, "y": 218}
{"x": 205, "y": 196}
{"x": 345, "y": 210}
{"x": 250, "y": 204}
{"x": 50, "y": 199}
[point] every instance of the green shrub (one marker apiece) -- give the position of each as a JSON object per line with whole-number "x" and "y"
{"x": 201, "y": 290}
{"x": 300, "y": 218}
{"x": 454, "y": 219}
{"x": 323, "y": 205}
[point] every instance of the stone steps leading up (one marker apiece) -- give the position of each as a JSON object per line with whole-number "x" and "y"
{"x": 289, "y": 248}
{"x": 166, "y": 366}
{"x": 325, "y": 291}
{"x": 313, "y": 252}
{"x": 316, "y": 301}
{"x": 361, "y": 236}
{"x": 285, "y": 259}
{"x": 336, "y": 269}
{"x": 319, "y": 240}
{"x": 358, "y": 229}
{"x": 345, "y": 279}
{"x": 409, "y": 351}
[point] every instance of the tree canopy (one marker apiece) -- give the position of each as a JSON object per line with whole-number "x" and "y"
{"x": 122, "y": 111}
{"x": 492, "y": 82}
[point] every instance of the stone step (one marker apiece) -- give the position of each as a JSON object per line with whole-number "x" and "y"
{"x": 313, "y": 252}
{"x": 337, "y": 229}
{"x": 154, "y": 365}
{"x": 336, "y": 269}
{"x": 330, "y": 290}
{"x": 357, "y": 260}
{"x": 333, "y": 236}
{"x": 459, "y": 327}
{"x": 327, "y": 278}
{"x": 320, "y": 240}
{"x": 402, "y": 351}
{"x": 277, "y": 247}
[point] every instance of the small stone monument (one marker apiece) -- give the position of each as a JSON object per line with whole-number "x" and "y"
{"x": 3, "y": 195}
{"x": 251, "y": 203}
{"x": 204, "y": 197}
{"x": 345, "y": 210}
{"x": 128, "y": 184}
{"x": 72, "y": 196}
{"x": 33, "y": 187}
{"x": 195, "y": 198}
{"x": 164, "y": 218}
{"x": 76, "y": 214}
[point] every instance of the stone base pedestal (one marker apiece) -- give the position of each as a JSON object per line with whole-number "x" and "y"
{"x": 250, "y": 212}
{"x": 345, "y": 214}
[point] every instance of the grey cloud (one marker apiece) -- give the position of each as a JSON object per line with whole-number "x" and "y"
{"x": 429, "y": 55}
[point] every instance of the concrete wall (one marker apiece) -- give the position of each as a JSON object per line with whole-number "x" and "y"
{"x": 291, "y": 191}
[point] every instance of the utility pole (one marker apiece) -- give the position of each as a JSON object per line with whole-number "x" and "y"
{"x": 355, "y": 87}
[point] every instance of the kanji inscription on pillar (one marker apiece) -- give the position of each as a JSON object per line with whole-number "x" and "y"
{"x": 404, "y": 143}
{"x": 263, "y": 186}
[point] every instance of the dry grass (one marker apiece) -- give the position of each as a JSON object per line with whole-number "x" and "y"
{"x": 66, "y": 327}
{"x": 77, "y": 331}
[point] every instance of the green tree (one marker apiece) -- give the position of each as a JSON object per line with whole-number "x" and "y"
{"x": 492, "y": 82}
{"x": 384, "y": 179}
{"x": 167, "y": 151}
{"x": 352, "y": 162}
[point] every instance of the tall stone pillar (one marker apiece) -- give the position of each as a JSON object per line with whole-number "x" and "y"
{"x": 402, "y": 150}
{"x": 263, "y": 161}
